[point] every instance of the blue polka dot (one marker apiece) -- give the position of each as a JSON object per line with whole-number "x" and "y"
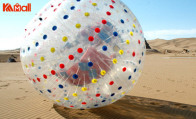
{"x": 115, "y": 34}
{"x": 140, "y": 61}
{"x": 45, "y": 37}
{"x": 66, "y": 17}
{"x": 75, "y": 76}
{"x": 40, "y": 91}
{"x": 103, "y": 100}
{"x": 72, "y": 8}
{"x": 90, "y": 64}
{"x": 54, "y": 28}
{"x": 78, "y": 0}
{"x": 122, "y": 21}
{"x": 135, "y": 70}
{"x": 119, "y": 88}
{"x": 125, "y": 10}
{"x": 105, "y": 48}
{"x": 36, "y": 44}
{"x": 96, "y": 105}
{"x": 29, "y": 48}
{"x": 60, "y": 86}
{"x": 23, "y": 51}
{"x": 112, "y": 94}
{"x": 39, "y": 67}
{"x": 142, "y": 53}
{"x": 49, "y": 91}
{"x": 129, "y": 77}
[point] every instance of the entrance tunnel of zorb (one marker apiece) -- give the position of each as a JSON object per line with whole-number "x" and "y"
{"x": 83, "y": 54}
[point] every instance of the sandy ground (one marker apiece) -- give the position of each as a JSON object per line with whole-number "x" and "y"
{"x": 164, "y": 78}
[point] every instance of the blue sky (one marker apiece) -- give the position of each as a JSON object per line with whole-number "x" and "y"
{"x": 166, "y": 19}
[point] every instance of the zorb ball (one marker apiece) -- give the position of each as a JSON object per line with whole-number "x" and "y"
{"x": 83, "y": 53}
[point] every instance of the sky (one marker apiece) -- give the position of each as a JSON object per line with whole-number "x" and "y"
{"x": 164, "y": 19}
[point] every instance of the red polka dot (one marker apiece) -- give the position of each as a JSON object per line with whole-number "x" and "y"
{"x": 97, "y": 30}
{"x": 62, "y": 66}
{"x": 104, "y": 21}
{"x": 111, "y": 82}
{"x": 53, "y": 72}
{"x": 38, "y": 79}
{"x": 108, "y": 13}
{"x": 84, "y": 103}
{"x": 113, "y": 1}
{"x": 111, "y": 6}
{"x": 52, "y": 5}
{"x": 80, "y": 50}
{"x": 55, "y": 9}
{"x": 124, "y": 69}
{"x": 91, "y": 38}
{"x": 71, "y": 106}
{"x": 45, "y": 76}
{"x": 34, "y": 80}
{"x": 71, "y": 57}
{"x": 139, "y": 41}
{"x": 133, "y": 54}
{"x": 97, "y": 95}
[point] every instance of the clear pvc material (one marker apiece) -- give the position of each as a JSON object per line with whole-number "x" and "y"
{"x": 83, "y": 54}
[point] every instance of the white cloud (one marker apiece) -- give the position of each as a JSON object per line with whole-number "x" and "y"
{"x": 170, "y": 34}
{"x": 11, "y": 42}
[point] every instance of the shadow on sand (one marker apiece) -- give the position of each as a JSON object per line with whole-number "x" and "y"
{"x": 131, "y": 107}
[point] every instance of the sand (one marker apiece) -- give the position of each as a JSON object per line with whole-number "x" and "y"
{"x": 162, "y": 78}
{"x": 166, "y": 89}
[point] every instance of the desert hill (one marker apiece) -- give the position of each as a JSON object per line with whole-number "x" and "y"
{"x": 175, "y": 45}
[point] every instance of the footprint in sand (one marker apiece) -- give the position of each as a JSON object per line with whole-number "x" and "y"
{"x": 5, "y": 85}
{"x": 20, "y": 98}
{"x": 158, "y": 90}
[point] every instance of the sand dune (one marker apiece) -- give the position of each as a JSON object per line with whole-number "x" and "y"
{"x": 174, "y": 45}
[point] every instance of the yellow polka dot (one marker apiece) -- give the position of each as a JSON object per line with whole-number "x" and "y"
{"x": 78, "y": 26}
{"x": 26, "y": 66}
{"x": 84, "y": 89}
{"x": 32, "y": 64}
{"x": 45, "y": 81}
{"x": 94, "y": 81}
{"x": 123, "y": 93}
{"x": 121, "y": 52}
{"x": 52, "y": 50}
{"x": 80, "y": 100}
{"x": 42, "y": 59}
{"x": 134, "y": 25}
{"x": 115, "y": 61}
{"x": 103, "y": 72}
{"x": 133, "y": 81}
{"x": 43, "y": 87}
{"x": 58, "y": 101}
{"x": 64, "y": 39}
{"x": 94, "y": 4}
{"x": 87, "y": 14}
{"x": 66, "y": 98}
{"x": 113, "y": 100}
{"x": 75, "y": 94}
{"x": 131, "y": 33}
{"x": 127, "y": 42}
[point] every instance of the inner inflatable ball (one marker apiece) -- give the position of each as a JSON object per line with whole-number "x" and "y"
{"x": 83, "y": 54}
